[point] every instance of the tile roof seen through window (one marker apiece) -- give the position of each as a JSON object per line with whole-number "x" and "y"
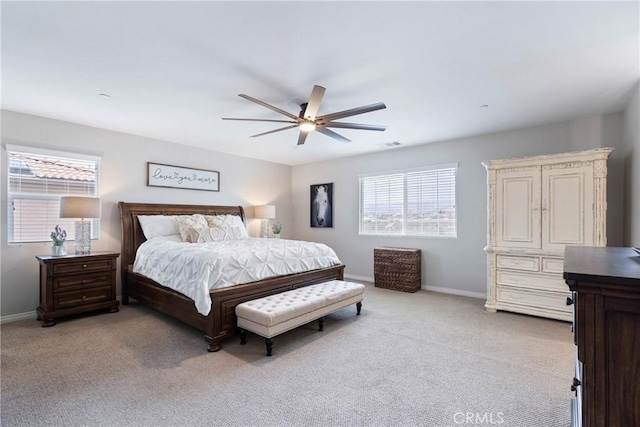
{"x": 43, "y": 167}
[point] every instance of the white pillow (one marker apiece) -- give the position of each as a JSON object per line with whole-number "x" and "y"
{"x": 172, "y": 238}
{"x": 158, "y": 225}
{"x": 185, "y": 222}
{"x": 222, "y": 221}
{"x": 217, "y": 234}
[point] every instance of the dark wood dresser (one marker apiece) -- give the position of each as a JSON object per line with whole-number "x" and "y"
{"x": 74, "y": 284}
{"x": 605, "y": 282}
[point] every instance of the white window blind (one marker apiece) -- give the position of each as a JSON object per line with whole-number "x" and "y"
{"x": 410, "y": 203}
{"x": 36, "y": 181}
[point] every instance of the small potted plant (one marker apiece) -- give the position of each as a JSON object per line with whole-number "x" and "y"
{"x": 58, "y": 236}
{"x": 276, "y": 228}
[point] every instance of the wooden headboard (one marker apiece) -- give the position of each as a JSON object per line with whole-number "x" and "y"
{"x": 132, "y": 235}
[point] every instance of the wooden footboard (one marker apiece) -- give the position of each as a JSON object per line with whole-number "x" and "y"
{"x": 222, "y": 318}
{"x": 221, "y": 321}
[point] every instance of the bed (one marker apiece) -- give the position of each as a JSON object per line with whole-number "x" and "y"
{"x": 220, "y": 323}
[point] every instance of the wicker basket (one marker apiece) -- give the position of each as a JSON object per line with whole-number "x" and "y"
{"x": 397, "y": 268}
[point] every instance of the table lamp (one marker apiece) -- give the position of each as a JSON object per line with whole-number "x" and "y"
{"x": 265, "y": 213}
{"x": 82, "y": 208}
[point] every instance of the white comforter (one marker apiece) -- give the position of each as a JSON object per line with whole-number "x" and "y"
{"x": 195, "y": 268}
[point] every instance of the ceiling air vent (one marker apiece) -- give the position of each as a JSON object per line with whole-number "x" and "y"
{"x": 390, "y": 144}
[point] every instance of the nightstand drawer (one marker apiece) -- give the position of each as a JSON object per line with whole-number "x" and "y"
{"x": 63, "y": 300}
{"x": 83, "y": 267}
{"x": 93, "y": 280}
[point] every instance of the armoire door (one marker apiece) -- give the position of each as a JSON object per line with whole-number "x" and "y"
{"x": 567, "y": 207}
{"x": 518, "y": 208}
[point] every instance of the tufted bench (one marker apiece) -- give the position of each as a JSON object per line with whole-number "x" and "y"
{"x": 275, "y": 314}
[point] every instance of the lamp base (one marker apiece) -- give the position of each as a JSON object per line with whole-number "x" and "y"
{"x": 265, "y": 228}
{"x": 83, "y": 237}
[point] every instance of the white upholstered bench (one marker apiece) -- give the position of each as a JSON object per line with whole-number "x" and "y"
{"x": 275, "y": 314}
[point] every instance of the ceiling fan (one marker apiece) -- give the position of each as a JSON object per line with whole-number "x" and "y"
{"x": 308, "y": 120}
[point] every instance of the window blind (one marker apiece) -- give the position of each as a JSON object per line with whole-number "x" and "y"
{"x": 409, "y": 203}
{"x": 36, "y": 180}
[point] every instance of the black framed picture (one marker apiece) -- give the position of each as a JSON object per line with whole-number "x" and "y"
{"x": 322, "y": 205}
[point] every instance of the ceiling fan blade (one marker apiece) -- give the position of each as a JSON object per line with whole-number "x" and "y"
{"x": 332, "y": 134}
{"x": 271, "y": 107}
{"x": 353, "y": 126}
{"x": 302, "y": 137}
{"x": 276, "y": 130}
{"x": 314, "y": 102}
{"x": 352, "y": 112}
{"x": 260, "y": 120}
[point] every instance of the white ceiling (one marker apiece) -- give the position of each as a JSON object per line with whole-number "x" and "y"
{"x": 173, "y": 69}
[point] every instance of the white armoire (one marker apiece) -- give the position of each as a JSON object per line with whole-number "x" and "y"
{"x": 536, "y": 207}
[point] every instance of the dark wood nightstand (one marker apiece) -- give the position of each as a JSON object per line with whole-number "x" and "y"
{"x": 73, "y": 284}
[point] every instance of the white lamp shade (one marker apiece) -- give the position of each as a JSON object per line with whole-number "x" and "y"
{"x": 79, "y": 207}
{"x": 265, "y": 212}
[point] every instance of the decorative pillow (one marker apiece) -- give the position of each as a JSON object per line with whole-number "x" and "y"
{"x": 222, "y": 221}
{"x": 158, "y": 225}
{"x": 186, "y": 222}
{"x": 217, "y": 234}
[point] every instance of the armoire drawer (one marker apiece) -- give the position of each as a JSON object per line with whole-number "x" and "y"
{"x": 532, "y": 281}
{"x": 552, "y": 265}
{"x": 551, "y": 300}
{"x": 525, "y": 263}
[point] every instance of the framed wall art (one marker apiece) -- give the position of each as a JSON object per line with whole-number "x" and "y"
{"x": 321, "y": 205}
{"x": 170, "y": 176}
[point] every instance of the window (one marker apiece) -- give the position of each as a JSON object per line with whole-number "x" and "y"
{"x": 410, "y": 203}
{"x": 36, "y": 180}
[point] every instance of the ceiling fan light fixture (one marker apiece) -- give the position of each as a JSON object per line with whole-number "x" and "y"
{"x": 308, "y": 119}
{"x": 307, "y": 126}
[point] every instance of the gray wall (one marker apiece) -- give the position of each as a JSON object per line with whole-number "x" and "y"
{"x": 632, "y": 170}
{"x": 450, "y": 265}
{"x": 243, "y": 182}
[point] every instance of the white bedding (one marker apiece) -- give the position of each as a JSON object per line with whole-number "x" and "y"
{"x": 193, "y": 269}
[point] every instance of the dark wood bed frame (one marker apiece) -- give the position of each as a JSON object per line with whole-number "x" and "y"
{"x": 221, "y": 321}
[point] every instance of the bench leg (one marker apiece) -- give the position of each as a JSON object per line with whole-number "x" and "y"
{"x": 269, "y": 343}
{"x": 321, "y": 324}
{"x": 243, "y": 337}
{"x": 358, "y": 307}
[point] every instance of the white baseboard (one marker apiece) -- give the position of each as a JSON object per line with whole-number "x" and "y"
{"x": 28, "y": 315}
{"x": 363, "y": 278}
{"x": 20, "y": 316}
{"x": 460, "y": 292}
{"x": 438, "y": 289}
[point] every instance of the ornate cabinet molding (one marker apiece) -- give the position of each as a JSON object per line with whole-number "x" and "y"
{"x": 536, "y": 207}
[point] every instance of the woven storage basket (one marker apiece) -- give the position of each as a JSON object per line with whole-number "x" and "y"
{"x": 397, "y": 268}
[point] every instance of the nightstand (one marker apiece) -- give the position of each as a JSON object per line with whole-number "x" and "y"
{"x": 74, "y": 284}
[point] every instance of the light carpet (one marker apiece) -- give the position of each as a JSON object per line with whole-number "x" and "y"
{"x": 422, "y": 359}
